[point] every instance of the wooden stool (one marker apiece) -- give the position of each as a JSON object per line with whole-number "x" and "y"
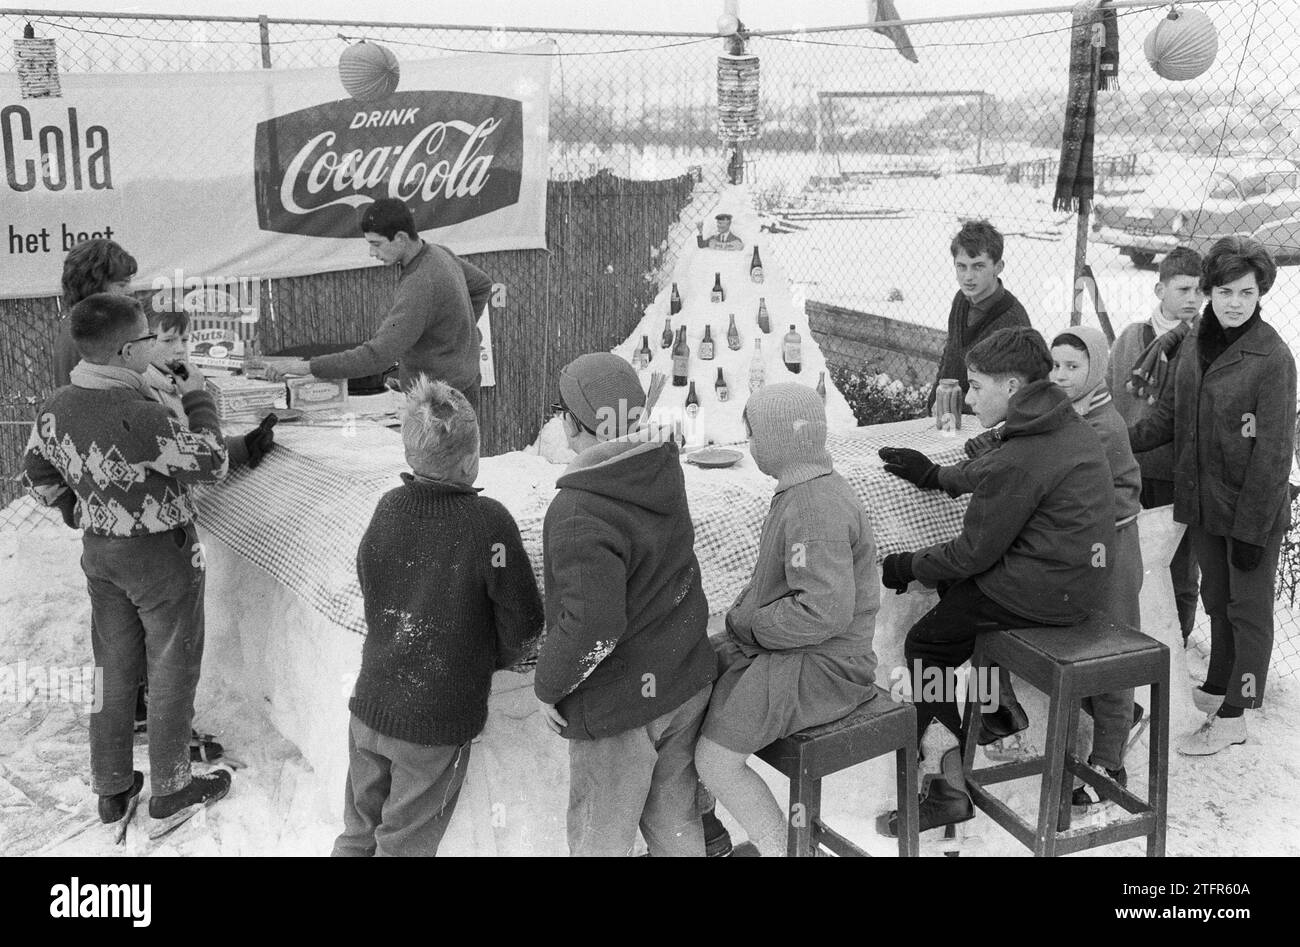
{"x": 1069, "y": 664}
{"x": 805, "y": 758}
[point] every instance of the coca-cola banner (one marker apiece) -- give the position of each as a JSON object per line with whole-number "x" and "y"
{"x": 266, "y": 173}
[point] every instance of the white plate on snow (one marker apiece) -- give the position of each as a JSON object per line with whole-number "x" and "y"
{"x": 714, "y": 457}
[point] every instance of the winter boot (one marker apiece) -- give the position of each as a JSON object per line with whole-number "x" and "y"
{"x": 945, "y": 802}
{"x": 114, "y": 808}
{"x": 172, "y": 810}
{"x": 1216, "y": 734}
{"x": 1002, "y": 723}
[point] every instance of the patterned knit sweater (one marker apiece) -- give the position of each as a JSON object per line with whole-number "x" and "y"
{"x": 129, "y": 461}
{"x": 449, "y": 597}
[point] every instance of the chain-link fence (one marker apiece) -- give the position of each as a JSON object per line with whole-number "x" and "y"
{"x": 868, "y": 163}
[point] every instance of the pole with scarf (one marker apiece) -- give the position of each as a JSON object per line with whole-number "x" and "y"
{"x": 1094, "y": 64}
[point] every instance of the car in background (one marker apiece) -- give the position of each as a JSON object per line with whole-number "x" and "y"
{"x": 1194, "y": 205}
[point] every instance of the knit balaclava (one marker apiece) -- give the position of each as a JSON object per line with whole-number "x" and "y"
{"x": 603, "y": 392}
{"x": 789, "y": 425}
{"x": 1094, "y": 342}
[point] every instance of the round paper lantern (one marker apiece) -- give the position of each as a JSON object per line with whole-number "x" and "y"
{"x": 369, "y": 71}
{"x": 1183, "y": 45}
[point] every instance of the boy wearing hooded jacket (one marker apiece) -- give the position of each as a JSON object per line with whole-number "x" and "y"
{"x": 798, "y": 651}
{"x": 626, "y": 668}
{"x": 1041, "y": 510}
{"x": 1079, "y": 366}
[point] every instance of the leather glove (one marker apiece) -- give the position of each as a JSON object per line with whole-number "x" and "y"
{"x": 260, "y": 440}
{"x": 67, "y": 504}
{"x": 981, "y": 444}
{"x": 1246, "y": 556}
{"x": 912, "y": 466}
{"x": 896, "y": 572}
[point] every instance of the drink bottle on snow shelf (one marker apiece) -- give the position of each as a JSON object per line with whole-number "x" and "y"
{"x": 718, "y": 294}
{"x": 674, "y": 302}
{"x": 667, "y": 339}
{"x": 821, "y": 386}
{"x": 641, "y": 357}
{"x": 757, "y": 373}
{"x": 720, "y": 387}
{"x": 733, "y": 335}
{"x": 791, "y": 351}
{"x": 706, "y": 344}
{"x": 756, "y": 267}
{"x": 681, "y": 359}
{"x": 692, "y": 402}
{"x": 764, "y": 325}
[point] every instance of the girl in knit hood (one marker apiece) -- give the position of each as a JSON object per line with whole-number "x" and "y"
{"x": 797, "y": 652}
{"x": 1079, "y": 368}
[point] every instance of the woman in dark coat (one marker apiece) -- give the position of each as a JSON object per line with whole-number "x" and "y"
{"x": 1231, "y": 416}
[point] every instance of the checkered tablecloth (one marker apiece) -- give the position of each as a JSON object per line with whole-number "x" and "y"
{"x": 300, "y": 516}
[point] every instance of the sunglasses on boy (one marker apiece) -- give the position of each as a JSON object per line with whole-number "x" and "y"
{"x": 144, "y": 338}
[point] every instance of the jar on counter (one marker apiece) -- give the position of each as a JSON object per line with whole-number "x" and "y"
{"x": 948, "y": 403}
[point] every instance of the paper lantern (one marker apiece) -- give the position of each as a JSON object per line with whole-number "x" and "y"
{"x": 738, "y": 118}
{"x": 1182, "y": 46}
{"x": 369, "y": 71}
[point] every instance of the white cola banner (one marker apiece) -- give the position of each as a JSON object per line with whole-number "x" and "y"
{"x": 266, "y": 173}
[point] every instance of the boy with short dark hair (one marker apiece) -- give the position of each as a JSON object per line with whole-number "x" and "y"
{"x": 626, "y": 668}
{"x": 1143, "y": 360}
{"x": 105, "y": 446}
{"x": 450, "y": 597}
{"x": 982, "y": 304}
{"x": 1041, "y": 511}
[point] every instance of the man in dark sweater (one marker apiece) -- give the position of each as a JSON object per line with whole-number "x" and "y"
{"x": 626, "y": 669}
{"x": 119, "y": 465}
{"x": 982, "y": 304}
{"x": 450, "y": 597}
{"x": 432, "y": 325}
{"x": 1032, "y": 550}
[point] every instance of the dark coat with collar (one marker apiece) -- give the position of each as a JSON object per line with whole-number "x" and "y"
{"x": 1232, "y": 424}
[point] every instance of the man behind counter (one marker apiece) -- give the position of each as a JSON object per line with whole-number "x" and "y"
{"x": 431, "y": 326}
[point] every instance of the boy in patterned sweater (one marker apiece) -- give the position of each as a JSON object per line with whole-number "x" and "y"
{"x": 119, "y": 464}
{"x": 450, "y": 597}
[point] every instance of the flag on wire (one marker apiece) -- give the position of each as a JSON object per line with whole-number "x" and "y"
{"x": 883, "y": 11}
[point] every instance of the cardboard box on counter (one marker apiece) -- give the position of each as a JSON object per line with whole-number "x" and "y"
{"x": 309, "y": 393}
{"x": 237, "y": 395}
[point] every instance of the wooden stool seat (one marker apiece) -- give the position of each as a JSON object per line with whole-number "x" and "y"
{"x": 874, "y": 728}
{"x": 1069, "y": 664}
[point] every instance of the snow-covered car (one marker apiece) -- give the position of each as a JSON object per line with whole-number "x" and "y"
{"x": 1194, "y": 206}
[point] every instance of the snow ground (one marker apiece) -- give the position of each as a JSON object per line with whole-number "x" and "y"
{"x": 1245, "y": 801}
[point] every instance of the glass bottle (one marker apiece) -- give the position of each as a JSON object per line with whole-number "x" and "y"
{"x": 764, "y": 325}
{"x": 717, "y": 294}
{"x": 666, "y": 340}
{"x": 706, "y": 344}
{"x": 692, "y": 402}
{"x": 756, "y": 267}
{"x": 791, "y": 351}
{"x": 674, "y": 302}
{"x": 733, "y": 335}
{"x": 947, "y": 405}
{"x": 757, "y": 372}
{"x": 681, "y": 359}
{"x": 720, "y": 387}
{"x": 821, "y": 386}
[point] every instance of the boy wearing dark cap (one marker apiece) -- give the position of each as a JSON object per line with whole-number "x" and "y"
{"x": 724, "y": 239}
{"x": 625, "y": 669}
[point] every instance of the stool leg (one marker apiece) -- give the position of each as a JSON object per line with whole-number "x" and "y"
{"x": 909, "y": 816}
{"x": 805, "y": 810}
{"x": 1158, "y": 766}
{"x": 1049, "y": 800}
{"x": 1067, "y": 778}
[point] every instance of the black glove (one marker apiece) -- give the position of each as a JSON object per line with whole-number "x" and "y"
{"x": 1246, "y": 556}
{"x": 912, "y": 466}
{"x": 260, "y": 440}
{"x": 67, "y": 504}
{"x": 981, "y": 444}
{"x": 896, "y": 571}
